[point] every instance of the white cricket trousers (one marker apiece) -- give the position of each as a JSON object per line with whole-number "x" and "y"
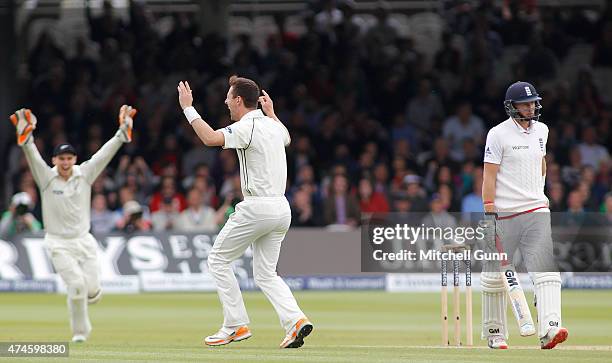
{"x": 76, "y": 261}
{"x": 260, "y": 222}
{"x": 530, "y": 234}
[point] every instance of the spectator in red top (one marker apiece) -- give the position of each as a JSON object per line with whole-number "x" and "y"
{"x": 371, "y": 201}
{"x": 167, "y": 190}
{"x": 399, "y": 173}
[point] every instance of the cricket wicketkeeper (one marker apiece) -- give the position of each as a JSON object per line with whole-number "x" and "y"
{"x": 66, "y": 205}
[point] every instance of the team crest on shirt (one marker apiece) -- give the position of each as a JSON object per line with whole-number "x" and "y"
{"x": 229, "y": 129}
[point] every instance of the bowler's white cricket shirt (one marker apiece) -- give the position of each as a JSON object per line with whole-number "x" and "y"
{"x": 260, "y": 143}
{"x": 66, "y": 204}
{"x": 519, "y": 153}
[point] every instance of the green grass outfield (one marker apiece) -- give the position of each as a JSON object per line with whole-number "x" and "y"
{"x": 349, "y": 327}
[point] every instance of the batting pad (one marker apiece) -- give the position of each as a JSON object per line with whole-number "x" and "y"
{"x": 494, "y": 319}
{"x": 547, "y": 287}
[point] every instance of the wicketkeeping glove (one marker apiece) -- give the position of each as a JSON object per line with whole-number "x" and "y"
{"x": 25, "y": 123}
{"x": 126, "y": 122}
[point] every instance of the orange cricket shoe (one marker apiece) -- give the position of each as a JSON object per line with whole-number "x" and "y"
{"x": 295, "y": 337}
{"x": 226, "y": 336}
{"x": 555, "y": 336}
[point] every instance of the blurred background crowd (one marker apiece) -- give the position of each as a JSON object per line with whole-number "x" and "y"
{"x": 378, "y": 124}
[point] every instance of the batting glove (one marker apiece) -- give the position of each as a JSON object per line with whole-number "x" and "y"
{"x": 488, "y": 224}
{"x": 25, "y": 123}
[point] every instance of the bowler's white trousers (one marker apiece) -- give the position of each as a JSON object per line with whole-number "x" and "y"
{"x": 260, "y": 222}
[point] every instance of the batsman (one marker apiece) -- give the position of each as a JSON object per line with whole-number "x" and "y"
{"x": 517, "y": 219}
{"x": 65, "y": 191}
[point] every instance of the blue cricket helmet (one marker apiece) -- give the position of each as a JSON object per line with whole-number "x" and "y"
{"x": 521, "y": 92}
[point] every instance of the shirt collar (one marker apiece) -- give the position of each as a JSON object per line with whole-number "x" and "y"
{"x": 521, "y": 129}
{"x": 255, "y": 113}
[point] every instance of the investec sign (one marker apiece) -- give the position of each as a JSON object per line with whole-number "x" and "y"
{"x": 160, "y": 260}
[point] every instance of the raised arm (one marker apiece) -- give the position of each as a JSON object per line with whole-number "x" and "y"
{"x": 25, "y": 124}
{"x": 206, "y": 133}
{"x": 267, "y": 105}
{"x": 94, "y": 166}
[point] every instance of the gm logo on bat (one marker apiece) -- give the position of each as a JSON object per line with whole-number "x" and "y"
{"x": 512, "y": 281}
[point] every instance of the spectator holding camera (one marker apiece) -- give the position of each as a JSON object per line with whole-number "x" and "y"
{"x": 18, "y": 218}
{"x": 133, "y": 220}
{"x": 167, "y": 190}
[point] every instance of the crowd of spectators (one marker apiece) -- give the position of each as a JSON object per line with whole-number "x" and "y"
{"x": 376, "y": 125}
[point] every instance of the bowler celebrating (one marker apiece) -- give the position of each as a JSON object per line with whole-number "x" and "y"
{"x": 261, "y": 220}
{"x": 514, "y": 201}
{"x": 66, "y": 205}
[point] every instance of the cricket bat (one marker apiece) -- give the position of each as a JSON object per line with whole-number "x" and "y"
{"x": 517, "y": 300}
